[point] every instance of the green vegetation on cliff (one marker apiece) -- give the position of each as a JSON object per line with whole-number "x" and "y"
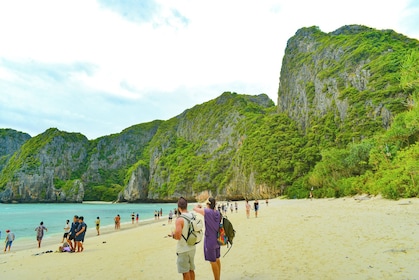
{"x": 347, "y": 122}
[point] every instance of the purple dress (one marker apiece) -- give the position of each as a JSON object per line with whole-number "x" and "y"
{"x": 212, "y": 224}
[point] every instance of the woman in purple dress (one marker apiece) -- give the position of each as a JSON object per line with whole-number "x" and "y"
{"x": 212, "y": 220}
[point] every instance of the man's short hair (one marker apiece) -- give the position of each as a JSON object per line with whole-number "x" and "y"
{"x": 182, "y": 203}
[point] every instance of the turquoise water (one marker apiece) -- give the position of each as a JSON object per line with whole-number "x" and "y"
{"x": 22, "y": 219}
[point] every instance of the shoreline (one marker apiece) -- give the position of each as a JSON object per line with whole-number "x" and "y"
{"x": 344, "y": 238}
{"x": 28, "y": 243}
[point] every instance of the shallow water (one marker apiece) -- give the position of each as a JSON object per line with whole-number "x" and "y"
{"x": 22, "y": 219}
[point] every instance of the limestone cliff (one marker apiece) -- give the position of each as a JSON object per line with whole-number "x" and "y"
{"x": 10, "y": 141}
{"x": 350, "y": 76}
{"x": 334, "y": 88}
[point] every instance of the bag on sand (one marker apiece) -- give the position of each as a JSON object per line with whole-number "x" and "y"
{"x": 226, "y": 233}
{"x": 195, "y": 231}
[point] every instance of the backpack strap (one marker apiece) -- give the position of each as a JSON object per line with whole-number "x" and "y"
{"x": 189, "y": 221}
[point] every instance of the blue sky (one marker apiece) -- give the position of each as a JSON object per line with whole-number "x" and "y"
{"x": 98, "y": 67}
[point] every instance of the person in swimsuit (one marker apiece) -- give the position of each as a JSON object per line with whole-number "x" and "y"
{"x": 98, "y": 225}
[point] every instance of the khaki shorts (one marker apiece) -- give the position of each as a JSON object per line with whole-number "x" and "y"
{"x": 185, "y": 261}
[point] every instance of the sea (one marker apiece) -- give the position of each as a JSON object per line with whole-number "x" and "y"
{"x": 22, "y": 219}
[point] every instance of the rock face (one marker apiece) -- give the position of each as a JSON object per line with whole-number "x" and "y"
{"x": 10, "y": 141}
{"x": 351, "y": 73}
{"x": 334, "y": 88}
{"x": 158, "y": 161}
{"x": 36, "y": 172}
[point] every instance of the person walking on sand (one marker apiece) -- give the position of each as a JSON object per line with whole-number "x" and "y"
{"x": 98, "y": 225}
{"x": 170, "y": 217}
{"x": 117, "y": 220}
{"x": 248, "y": 208}
{"x": 212, "y": 220}
{"x": 81, "y": 231}
{"x": 10, "y": 237}
{"x": 40, "y": 233}
{"x": 185, "y": 253}
{"x": 66, "y": 230}
{"x": 256, "y": 206}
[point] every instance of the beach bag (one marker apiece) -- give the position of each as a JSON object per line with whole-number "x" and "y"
{"x": 195, "y": 230}
{"x": 226, "y": 233}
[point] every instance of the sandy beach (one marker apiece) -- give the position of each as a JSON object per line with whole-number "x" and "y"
{"x": 346, "y": 238}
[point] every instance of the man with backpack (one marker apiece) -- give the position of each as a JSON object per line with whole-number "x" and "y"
{"x": 185, "y": 252}
{"x": 212, "y": 219}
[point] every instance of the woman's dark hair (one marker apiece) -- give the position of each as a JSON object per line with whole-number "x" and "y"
{"x": 211, "y": 202}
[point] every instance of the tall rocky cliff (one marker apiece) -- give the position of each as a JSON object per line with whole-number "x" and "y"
{"x": 10, "y": 141}
{"x": 349, "y": 77}
{"x": 186, "y": 155}
{"x": 335, "y": 88}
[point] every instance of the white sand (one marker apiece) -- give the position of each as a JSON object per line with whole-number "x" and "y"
{"x": 291, "y": 239}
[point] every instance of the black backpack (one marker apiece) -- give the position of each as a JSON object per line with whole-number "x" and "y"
{"x": 226, "y": 233}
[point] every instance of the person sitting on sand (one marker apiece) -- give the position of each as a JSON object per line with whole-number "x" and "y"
{"x": 64, "y": 248}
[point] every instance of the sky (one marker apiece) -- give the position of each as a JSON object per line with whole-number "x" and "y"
{"x": 100, "y": 66}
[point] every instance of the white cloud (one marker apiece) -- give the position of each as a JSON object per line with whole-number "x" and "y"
{"x": 145, "y": 60}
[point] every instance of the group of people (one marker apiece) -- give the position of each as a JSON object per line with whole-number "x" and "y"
{"x": 186, "y": 253}
{"x": 223, "y": 208}
{"x": 255, "y": 207}
{"x": 158, "y": 214}
{"x": 73, "y": 237}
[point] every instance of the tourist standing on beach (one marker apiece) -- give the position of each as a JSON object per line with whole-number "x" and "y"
{"x": 98, "y": 225}
{"x": 81, "y": 231}
{"x": 132, "y": 217}
{"x": 137, "y": 218}
{"x": 10, "y": 237}
{"x": 185, "y": 253}
{"x": 248, "y": 208}
{"x": 170, "y": 217}
{"x": 256, "y": 206}
{"x": 236, "y": 205}
{"x": 212, "y": 220}
{"x": 40, "y": 233}
{"x": 117, "y": 220}
{"x": 66, "y": 230}
{"x": 72, "y": 234}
